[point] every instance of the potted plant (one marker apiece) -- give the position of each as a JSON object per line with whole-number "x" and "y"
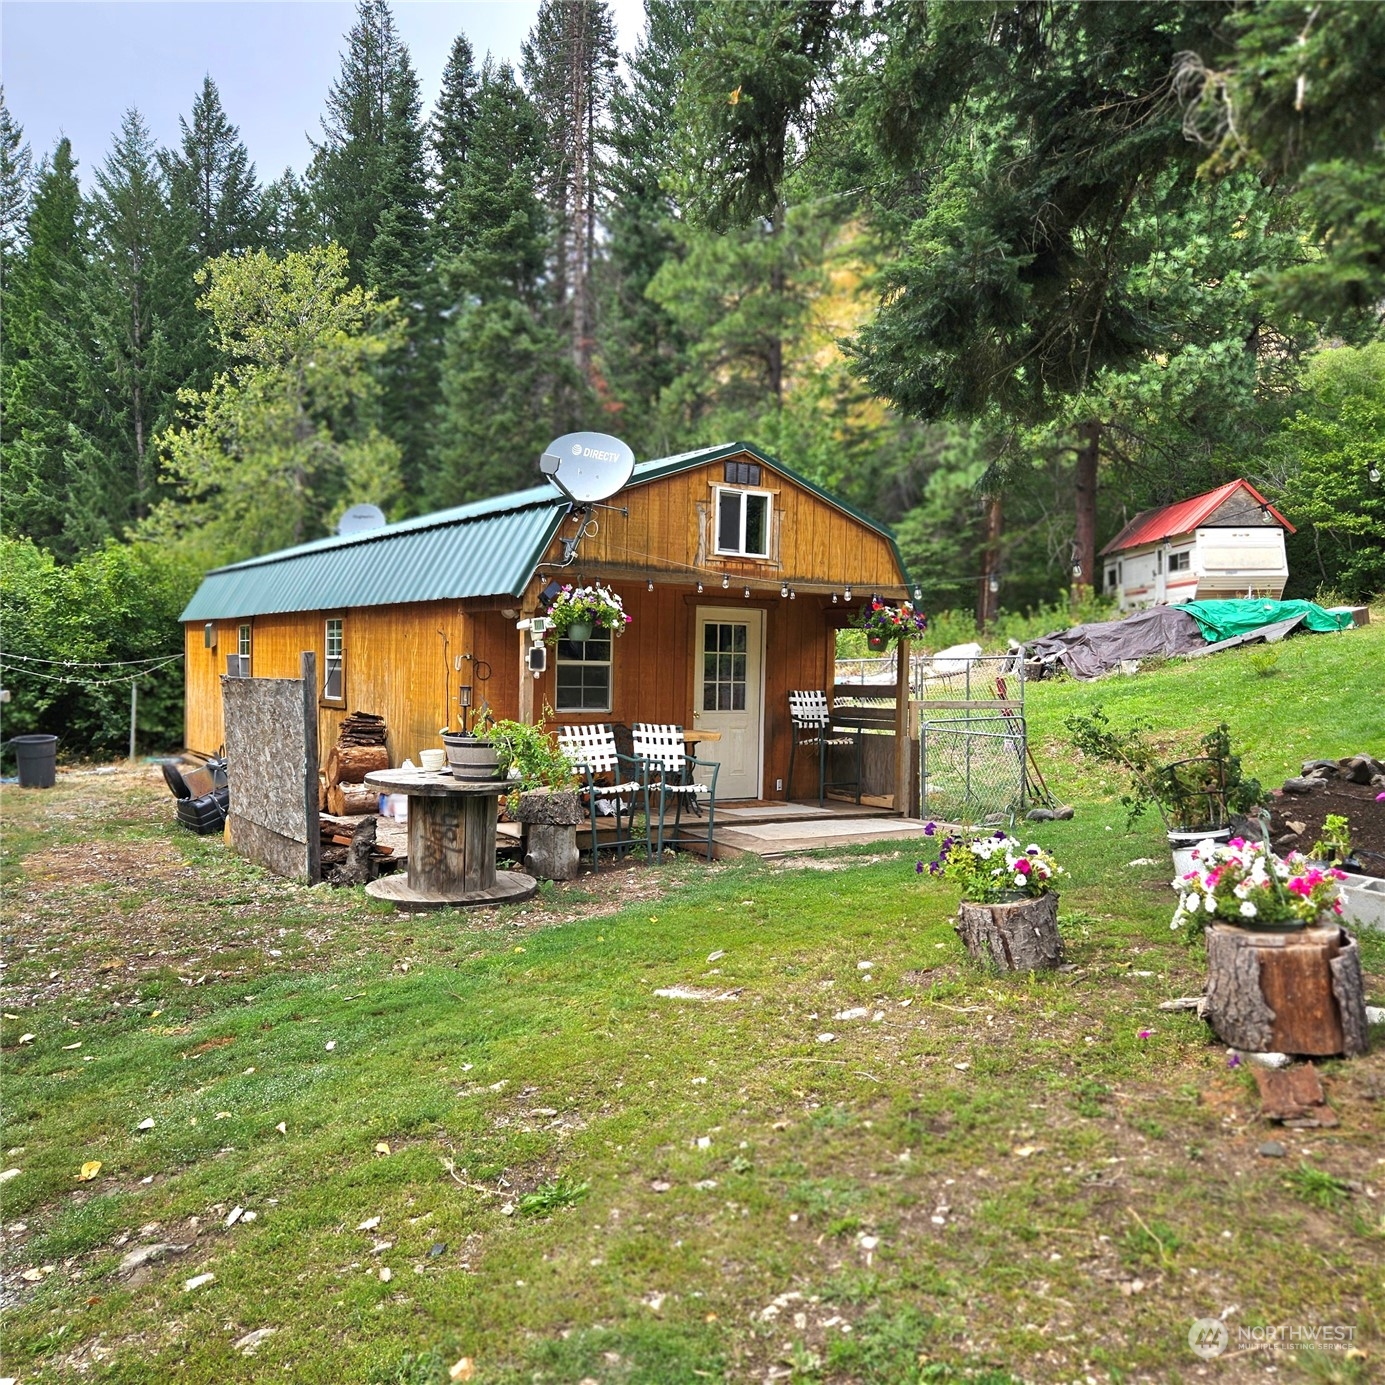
{"x": 577, "y": 612}
{"x": 531, "y": 758}
{"x": 886, "y": 625}
{"x": 1246, "y": 884}
{"x": 1334, "y": 847}
{"x": 1008, "y": 917}
{"x": 471, "y": 753}
{"x": 1196, "y": 796}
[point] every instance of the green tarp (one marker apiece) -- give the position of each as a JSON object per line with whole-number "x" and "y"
{"x": 1225, "y": 620}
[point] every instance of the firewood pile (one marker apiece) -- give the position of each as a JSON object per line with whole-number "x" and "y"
{"x": 338, "y": 837}
{"x": 360, "y": 750}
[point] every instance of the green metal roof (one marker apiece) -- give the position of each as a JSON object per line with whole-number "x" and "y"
{"x": 488, "y": 548}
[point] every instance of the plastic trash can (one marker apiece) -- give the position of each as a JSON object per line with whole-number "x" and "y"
{"x": 37, "y": 757}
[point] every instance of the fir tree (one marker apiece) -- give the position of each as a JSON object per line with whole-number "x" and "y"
{"x": 641, "y": 344}
{"x": 138, "y": 307}
{"x": 449, "y": 139}
{"x": 291, "y": 217}
{"x": 211, "y": 178}
{"x": 16, "y": 177}
{"x": 44, "y": 452}
{"x": 570, "y": 59}
{"x": 508, "y": 385}
{"x": 369, "y": 181}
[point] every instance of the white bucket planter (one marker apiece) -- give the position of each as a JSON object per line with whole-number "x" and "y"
{"x": 1182, "y": 844}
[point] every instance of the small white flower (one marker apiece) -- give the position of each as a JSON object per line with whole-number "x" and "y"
{"x": 1190, "y": 903}
{"x": 1248, "y": 910}
{"x": 1210, "y": 904}
{"x": 1019, "y": 879}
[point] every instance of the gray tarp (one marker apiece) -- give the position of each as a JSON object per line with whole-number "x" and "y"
{"x": 1087, "y": 651}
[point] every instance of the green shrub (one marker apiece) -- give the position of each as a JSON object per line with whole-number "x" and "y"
{"x": 121, "y": 602}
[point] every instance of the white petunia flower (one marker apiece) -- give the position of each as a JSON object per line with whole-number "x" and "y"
{"x": 1248, "y": 910}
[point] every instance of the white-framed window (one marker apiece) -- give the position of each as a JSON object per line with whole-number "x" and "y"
{"x": 1110, "y": 578}
{"x": 334, "y": 663}
{"x": 1181, "y": 562}
{"x": 742, "y": 519}
{"x": 238, "y": 664}
{"x": 584, "y": 674}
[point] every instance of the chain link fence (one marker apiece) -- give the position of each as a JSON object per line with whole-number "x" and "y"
{"x": 971, "y": 769}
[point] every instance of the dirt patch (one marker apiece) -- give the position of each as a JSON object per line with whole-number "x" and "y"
{"x": 1300, "y": 818}
{"x": 120, "y": 863}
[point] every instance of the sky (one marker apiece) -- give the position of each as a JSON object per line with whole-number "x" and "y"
{"x": 73, "y": 68}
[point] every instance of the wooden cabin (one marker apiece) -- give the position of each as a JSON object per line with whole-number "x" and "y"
{"x": 722, "y": 549}
{"x": 1228, "y": 542}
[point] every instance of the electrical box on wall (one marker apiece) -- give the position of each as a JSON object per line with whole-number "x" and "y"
{"x": 538, "y": 660}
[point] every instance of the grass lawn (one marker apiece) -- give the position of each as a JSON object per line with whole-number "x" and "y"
{"x": 484, "y": 1136}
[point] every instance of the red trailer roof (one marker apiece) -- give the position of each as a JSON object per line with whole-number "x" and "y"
{"x": 1184, "y": 516}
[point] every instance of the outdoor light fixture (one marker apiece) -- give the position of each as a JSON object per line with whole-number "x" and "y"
{"x": 747, "y": 593}
{"x": 699, "y": 589}
{"x": 993, "y": 583}
{"x": 1077, "y": 569}
{"x": 464, "y": 702}
{"x": 649, "y": 585}
{"x": 783, "y": 589}
{"x": 834, "y": 598}
{"x": 793, "y": 595}
{"x": 1374, "y": 474}
{"x": 846, "y": 596}
{"x": 725, "y": 580}
{"x": 918, "y": 592}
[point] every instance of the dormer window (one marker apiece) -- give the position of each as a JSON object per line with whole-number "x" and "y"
{"x": 743, "y": 522}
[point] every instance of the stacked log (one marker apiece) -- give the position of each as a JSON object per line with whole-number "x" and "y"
{"x": 339, "y": 836}
{"x": 360, "y": 750}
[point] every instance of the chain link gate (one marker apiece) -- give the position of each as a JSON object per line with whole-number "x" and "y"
{"x": 972, "y": 740}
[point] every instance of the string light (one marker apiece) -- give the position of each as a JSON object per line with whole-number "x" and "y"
{"x": 834, "y": 598}
{"x": 783, "y": 589}
{"x": 747, "y": 593}
{"x": 846, "y": 596}
{"x": 649, "y": 585}
{"x": 918, "y": 592}
{"x": 725, "y": 580}
{"x": 793, "y": 595}
{"x": 699, "y": 589}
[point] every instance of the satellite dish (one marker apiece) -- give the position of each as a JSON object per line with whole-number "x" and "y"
{"x": 587, "y": 467}
{"x": 360, "y": 518}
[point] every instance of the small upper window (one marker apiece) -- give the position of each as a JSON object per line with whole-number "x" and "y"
{"x": 238, "y": 664}
{"x": 743, "y": 522}
{"x": 742, "y": 474}
{"x": 332, "y": 682}
{"x": 1180, "y": 562}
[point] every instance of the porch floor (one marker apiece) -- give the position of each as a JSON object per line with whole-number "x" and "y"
{"x": 784, "y": 829}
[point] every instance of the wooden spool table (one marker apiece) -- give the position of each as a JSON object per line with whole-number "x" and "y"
{"x": 451, "y": 843}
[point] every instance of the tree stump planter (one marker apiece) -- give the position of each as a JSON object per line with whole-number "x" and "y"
{"x": 1298, "y": 992}
{"x": 550, "y": 819}
{"x": 1019, "y": 936}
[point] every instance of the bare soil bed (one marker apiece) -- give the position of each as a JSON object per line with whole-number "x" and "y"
{"x": 1305, "y": 814}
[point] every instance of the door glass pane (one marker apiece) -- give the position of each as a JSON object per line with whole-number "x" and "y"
{"x": 725, "y": 673}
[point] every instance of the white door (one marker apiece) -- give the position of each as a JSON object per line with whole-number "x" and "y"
{"x": 729, "y": 695}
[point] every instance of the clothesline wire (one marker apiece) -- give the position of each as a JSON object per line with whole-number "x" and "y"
{"x": 159, "y": 659}
{"x": 94, "y": 682}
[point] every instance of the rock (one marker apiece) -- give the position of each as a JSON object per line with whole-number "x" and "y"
{"x": 1359, "y": 769}
{"x": 1271, "y": 1149}
{"x": 1322, "y": 767}
{"x": 1294, "y": 1096}
{"x": 1306, "y": 785}
{"x": 1063, "y": 814}
{"x": 144, "y": 1255}
{"x": 1040, "y": 815}
{"x": 247, "y": 1344}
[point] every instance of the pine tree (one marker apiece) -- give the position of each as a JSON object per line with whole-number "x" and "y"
{"x": 291, "y": 217}
{"x": 449, "y": 139}
{"x": 210, "y": 176}
{"x": 508, "y": 385}
{"x": 641, "y": 346}
{"x": 570, "y": 59}
{"x": 16, "y": 178}
{"x": 369, "y": 181}
{"x": 42, "y": 371}
{"x": 138, "y": 306}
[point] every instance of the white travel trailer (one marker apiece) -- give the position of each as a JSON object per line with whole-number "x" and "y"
{"x": 1226, "y": 543}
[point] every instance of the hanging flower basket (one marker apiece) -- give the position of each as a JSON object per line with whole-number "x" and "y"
{"x": 578, "y": 612}
{"x": 886, "y": 625}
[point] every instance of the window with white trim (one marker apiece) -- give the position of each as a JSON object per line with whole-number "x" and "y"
{"x": 742, "y": 522}
{"x": 238, "y": 664}
{"x": 334, "y": 664}
{"x": 584, "y": 674}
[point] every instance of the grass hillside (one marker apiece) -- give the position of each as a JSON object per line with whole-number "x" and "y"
{"x": 485, "y": 1137}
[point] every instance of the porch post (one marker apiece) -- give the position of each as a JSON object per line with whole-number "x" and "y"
{"x": 901, "y": 730}
{"x": 525, "y": 711}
